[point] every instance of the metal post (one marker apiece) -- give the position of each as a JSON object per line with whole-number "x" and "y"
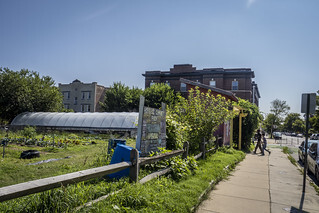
{"x": 306, "y": 145}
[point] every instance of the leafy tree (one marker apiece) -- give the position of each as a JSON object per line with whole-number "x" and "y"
{"x": 299, "y": 126}
{"x": 314, "y": 120}
{"x": 249, "y": 123}
{"x": 290, "y": 119}
{"x": 117, "y": 98}
{"x": 134, "y": 99}
{"x": 196, "y": 119}
{"x": 25, "y": 90}
{"x": 158, "y": 93}
{"x": 278, "y": 108}
{"x": 270, "y": 123}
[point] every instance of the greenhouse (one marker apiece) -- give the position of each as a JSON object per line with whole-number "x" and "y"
{"x": 88, "y": 121}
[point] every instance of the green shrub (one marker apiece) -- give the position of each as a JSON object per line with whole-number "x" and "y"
{"x": 29, "y": 132}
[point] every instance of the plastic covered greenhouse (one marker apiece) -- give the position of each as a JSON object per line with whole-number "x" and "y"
{"x": 88, "y": 121}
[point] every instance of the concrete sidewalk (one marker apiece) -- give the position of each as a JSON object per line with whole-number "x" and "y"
{"x": 268, "y": 183}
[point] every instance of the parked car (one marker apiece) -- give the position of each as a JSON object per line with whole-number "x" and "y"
{"x": 277, "y": 135}
{"x": 313, "y": 160}
{"x": 301, "y": 150}
{"x": 314, "y": 136}
{"x": 300, "y": 135}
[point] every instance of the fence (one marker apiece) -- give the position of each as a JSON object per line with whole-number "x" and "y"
{"x": 31, "y": 187}
{"x": 290, "y": 141}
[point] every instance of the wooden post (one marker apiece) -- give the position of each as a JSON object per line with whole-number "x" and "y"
{"x": 140, "y": 123}
{"x": 134, "y": 169}
{"x": 186, "y": 148}
{"x": 231, "y": 137}
{"x": 203, "y": 149}
{"x": 239, "y": 135}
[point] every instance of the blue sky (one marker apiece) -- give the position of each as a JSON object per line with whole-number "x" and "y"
{"x": 110, "y": 41}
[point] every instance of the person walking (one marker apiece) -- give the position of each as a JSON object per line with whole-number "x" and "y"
{"x": 265, "y": 143}
{"x": 258, "y": 144}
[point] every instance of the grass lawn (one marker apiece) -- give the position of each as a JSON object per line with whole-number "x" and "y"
{"x": 74, "y": 157}
{"x": 159, "y": 195}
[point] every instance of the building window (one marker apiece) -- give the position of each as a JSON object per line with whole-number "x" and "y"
{"x": 152, "y": 83}
{"x": 167, "y": 83}
{"x": 75, "y": 100}
{"x": 212, "y": 83}
{"x": 234, "y": 84}
{"x": 86, "y": 94}
{"x": 183, "y": 87}
{"x": 66, "y": 95}
{"x": 85, "y": 108}
{"x": 67, "y": 106}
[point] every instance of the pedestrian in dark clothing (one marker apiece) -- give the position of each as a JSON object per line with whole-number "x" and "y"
{"x": 265, "y": 143}
{"x": 258, "y": 144}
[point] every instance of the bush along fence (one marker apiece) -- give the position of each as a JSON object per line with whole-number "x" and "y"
{"x": 31, "y": 187}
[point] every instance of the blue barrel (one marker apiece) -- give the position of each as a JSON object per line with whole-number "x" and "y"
{"x": 121, "y": 153}
{"x": 113, "y": 143}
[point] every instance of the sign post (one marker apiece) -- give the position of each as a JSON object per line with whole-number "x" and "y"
{"x": 308, "y": 106}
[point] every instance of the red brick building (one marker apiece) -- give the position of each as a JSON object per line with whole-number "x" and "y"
{"x": 239, "y": 81}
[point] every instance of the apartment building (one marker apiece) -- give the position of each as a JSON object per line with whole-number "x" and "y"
{"x": 239, "y": 81}
{"x": 82, "y": 97}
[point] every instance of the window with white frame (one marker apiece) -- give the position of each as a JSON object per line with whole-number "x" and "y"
{"x": 212, "y": 83}
{"x": 152, "y": 83}
{"x": 167, "y": 83}
{"x": 83, "y": 95}
{"x": 234, "y": 84}
{"x": 75, "y": 100}
{"x": 89, "y": 95}
{"x": 183, "y": 87}
{"x": 85, "y": 108}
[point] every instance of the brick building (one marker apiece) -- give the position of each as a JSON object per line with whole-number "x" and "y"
{"x": 82, "y": 97}
{"x": 238, "y": 80}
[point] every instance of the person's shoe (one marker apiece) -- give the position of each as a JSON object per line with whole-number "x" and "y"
{"x": 269, "y": 152}
{"x": 254, "y": 152}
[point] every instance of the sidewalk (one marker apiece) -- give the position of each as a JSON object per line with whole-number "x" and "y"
{"x": 268, "y": 183}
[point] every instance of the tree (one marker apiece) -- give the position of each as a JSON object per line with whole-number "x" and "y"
{"x": 158, "y": 93}
{"x": 196, "y": 119}
{"x": 270, "y": 123}
{"x": 119, "y": 98}
{"x": 314, "y": 120}
{"x": 249, "y": 123}
{"x": 278, "y": 108}
{"x": 299, "y": 126}
{"x": 290, "y": 119}
{"x": 25, "y": 90}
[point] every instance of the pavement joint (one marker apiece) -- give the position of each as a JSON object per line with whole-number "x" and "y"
{"x": 246, "y": 191}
